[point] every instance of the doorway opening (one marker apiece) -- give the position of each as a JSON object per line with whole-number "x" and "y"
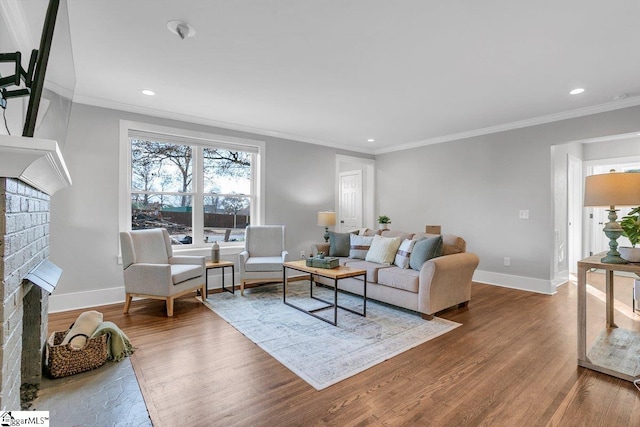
{"x": 355, "y": 182}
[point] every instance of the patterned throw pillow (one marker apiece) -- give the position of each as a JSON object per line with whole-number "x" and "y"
{"x": 339, "y": 244}
{"x": 424, "y": 250}
{"x": 383, "y": 249}
{"x": 360, "y": 246}
{"x": 404, "y": 252}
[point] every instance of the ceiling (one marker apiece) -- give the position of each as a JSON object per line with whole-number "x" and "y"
{"x": 339, "y": 72}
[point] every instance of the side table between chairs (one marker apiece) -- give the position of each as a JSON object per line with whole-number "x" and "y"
{"x": 210, "y": 265}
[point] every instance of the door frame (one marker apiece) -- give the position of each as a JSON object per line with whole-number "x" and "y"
{"x": 345, "y": 163}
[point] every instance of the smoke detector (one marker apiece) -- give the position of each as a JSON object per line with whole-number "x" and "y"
{"x": 181, "y": 29}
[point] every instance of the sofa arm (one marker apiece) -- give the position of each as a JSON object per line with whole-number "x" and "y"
{"x": 242, "y": 259}
{"x": 320, "y": 247}
{"x": 152, "y": 279}
{"x": 187, "y": 259}
{"x": 446, "y": 281}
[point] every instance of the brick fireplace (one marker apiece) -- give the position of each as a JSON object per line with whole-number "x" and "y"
{"x": 31, "y": 170}
{"x": 24, "y": 243}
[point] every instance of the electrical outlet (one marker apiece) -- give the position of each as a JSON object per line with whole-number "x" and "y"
{"x": 524, "y": 214}
{"x": 507, "y": 261}
{"x": 302, "y": 256}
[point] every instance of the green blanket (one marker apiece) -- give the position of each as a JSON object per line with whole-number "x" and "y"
{"x": 118, "y": 344}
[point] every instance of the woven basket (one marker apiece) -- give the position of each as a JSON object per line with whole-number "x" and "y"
{"x": 64, "y": 360}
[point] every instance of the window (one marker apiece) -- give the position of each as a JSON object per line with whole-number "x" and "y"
{"x": 200, "y": 189}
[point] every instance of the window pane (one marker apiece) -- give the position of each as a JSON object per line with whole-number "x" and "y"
{"x": 161, "y": 167}
{"x": 225, "y": 218}
{"x": 227, "y": 172}
{"x": 173, "y": 212}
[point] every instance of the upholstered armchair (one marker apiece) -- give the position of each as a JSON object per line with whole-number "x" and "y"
{"x": 263, "y": 256}
{"x": 152, "y": 271}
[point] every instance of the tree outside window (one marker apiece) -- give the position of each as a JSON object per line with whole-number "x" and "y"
{"x": 164, "y": 193}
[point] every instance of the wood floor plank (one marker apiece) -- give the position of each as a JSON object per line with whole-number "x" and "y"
{"x": 512, "y": 362}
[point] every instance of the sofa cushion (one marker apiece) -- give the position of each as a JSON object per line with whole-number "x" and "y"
{"x": 396, "y": 277}
{"x": 263, "y": 263}
{"x": 339, "y": 244}
{"x": 182, "y": 272}
{"x": 360, "y": 246}
{"x": 372, "y": 268}
{"x": 395, "y": 233}
{"x": 450, "y": 244}
{"x": 404, "y": 251}
{"x": 383, "y": 249}
{"x": 424, "y": 250}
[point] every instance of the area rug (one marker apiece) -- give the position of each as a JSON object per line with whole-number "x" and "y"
{"x": 316, "y": 351}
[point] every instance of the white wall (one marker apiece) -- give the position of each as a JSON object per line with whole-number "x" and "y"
{"x": 84, "y": 219}
{"x": 475, "y": 188}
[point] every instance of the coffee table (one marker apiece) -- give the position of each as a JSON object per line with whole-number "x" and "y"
{"x": 336, "y": 274}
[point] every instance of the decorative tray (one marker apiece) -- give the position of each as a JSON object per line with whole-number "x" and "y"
{"x": 326, "y": 262}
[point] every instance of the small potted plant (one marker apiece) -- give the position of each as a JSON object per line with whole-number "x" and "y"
{"x": 383, "y": 222}
{"x": 631, "y": 230}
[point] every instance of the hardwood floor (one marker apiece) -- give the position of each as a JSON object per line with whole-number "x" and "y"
{"x": 512, "y": 363}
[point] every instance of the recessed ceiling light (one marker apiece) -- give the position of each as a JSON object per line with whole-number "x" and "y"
{"x": 148, "y": 92}
{"x": 576, "y": 91}
{"x": 371, "y": 140}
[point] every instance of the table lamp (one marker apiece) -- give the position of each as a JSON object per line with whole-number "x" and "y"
{"x": 326, "y": 219}
{"x": 611, "y": 189}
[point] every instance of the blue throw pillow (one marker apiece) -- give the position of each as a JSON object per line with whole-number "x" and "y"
{"x": 424, "y": 250}
{"x": 339, "y": 244}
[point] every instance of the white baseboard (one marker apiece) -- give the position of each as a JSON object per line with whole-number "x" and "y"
{"x": 86, "y": 299}
{"x": 530, "y": 284}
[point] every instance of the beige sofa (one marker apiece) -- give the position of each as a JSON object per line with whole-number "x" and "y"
{"x": 442, "y": 282}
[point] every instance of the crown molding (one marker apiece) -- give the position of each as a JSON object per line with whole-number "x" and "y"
{"x": 96, "y": 102}
{"x": 38, "y": 162}
{"x": 595, "y": 109}
{"x": 571, "y": 114}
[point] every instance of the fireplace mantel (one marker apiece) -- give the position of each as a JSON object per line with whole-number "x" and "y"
{"x": 37, "y": 162}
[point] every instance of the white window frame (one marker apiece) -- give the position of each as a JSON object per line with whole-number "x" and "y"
{"x": 203, "y": 140}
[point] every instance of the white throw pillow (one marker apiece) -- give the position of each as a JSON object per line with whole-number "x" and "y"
{"x": 404, "y": 253}
{"x": 383, "y": 249}
{"x": 359, "y": 246}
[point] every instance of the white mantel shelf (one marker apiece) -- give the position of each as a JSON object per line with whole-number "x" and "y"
{"x": 38, "y": 162}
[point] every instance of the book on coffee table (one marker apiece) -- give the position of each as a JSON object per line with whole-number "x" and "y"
{"x": 326, "y": 262}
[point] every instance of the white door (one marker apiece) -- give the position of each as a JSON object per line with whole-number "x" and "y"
{"x": 574, "y": 212}
{"x": 350, "y": 201}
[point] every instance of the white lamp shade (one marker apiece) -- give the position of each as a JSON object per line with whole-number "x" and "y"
{"x": 612, "y": 189}
{"x": 326, "y": 219}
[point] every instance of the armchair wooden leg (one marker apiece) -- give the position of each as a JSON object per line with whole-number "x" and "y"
{"x": 170, "y": 307}
{"x": 127, "y": 302}
{"x": 242, "y": 288}
{"x": 427, "y": 316}
{"x": 203, "y": 292}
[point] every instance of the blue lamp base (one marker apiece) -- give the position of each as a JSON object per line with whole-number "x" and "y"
{"x": 613, "y": 230}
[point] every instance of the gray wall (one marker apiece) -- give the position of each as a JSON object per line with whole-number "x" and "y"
{"x": 475, "y": 188}
{"x": 84, "y": 217}
{"x": 612, "y": 149}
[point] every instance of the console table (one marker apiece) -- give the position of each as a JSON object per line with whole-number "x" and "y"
{"x": 616, "y": 350}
